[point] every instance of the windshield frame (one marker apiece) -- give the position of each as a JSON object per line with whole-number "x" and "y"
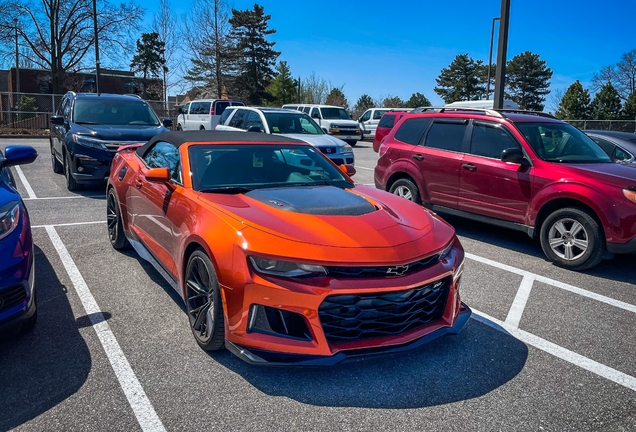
{"x": 535, "y": 135}
{"x": 282, "y": 166}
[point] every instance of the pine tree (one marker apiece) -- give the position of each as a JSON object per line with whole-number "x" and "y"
{"x": 528, "y": 81}
{"x": 606, "y": 104}
{"x": 461, "y": 80}
{"x": 336, "y": 97}
{"x": 283, "y": 87}
{"x": 575, "y": 104}
{"x": 629, "y": 109}
{"x": 392, "y": 102}
{"x": 149, "y": 60}
{"x": 417, "y": 100}
{"x": 364, "y": 103}
{"x": 256, "y": 55}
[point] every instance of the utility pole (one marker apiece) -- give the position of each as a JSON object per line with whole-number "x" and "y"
{"x": 492, "y": 38}
{"x": 97, "y": 72}
{"x": 502, "y": 48}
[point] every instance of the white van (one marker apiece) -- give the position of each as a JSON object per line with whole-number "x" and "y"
{"x": 203, "y": 113}
{"x": 486, "y": 104}
{"x": 334, "y": 120}
{"x": 370, "y": 119}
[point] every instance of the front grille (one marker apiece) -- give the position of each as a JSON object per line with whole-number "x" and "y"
{"x": 11, "y": 297}
{"x": 348, "y": 317}
{"x": 328, "y": 150}
{"x": 112, "y": 147}
{"x": 381, "y": 271}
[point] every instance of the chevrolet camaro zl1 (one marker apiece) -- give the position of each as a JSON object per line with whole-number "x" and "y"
{"x": 278, "y": 255}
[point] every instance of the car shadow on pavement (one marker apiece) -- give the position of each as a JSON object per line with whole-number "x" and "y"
{"x": 450, "y": 369}
{"x": 42, "y": 368}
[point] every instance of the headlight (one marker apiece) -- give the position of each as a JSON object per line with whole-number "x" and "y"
{"x": 89, "y": 142}
{"x": 286, "y": 268}
{"x": 346, "y": 149}
{"x": 9, "y": 217}
{"x": 630, "y": 194}
{"x": 447, "y": 250}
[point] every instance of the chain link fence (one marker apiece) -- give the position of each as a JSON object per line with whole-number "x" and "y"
{"x": 30, "y": 113}
{"x": 609, "y": 125}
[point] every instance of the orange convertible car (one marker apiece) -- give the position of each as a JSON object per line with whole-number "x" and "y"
{"x": 278, "y": 255}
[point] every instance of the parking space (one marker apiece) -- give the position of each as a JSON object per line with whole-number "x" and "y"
{"x": 547, "y": 348}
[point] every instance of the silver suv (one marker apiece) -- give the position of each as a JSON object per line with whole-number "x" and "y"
{"x": 293, "y": 124}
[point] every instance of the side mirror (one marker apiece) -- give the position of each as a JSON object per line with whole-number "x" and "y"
{"x": 158, "y": 175}
{"x": 315, "y": 115}
{"x": 255, "y": 129}
{"x": 514, "y": 155}
{"x": 167, "y": 122}
{"x": 180, "y": 110}
{"x": 57, "y": 120}
{"x": 348, "y": 169}
{"x": 19, "y": 155}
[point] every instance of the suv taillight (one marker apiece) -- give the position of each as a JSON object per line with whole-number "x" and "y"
{"x": 383, "y": 149}
{"x": 212, "y": 110}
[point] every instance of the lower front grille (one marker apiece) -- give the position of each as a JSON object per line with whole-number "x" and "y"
{"x": 348, "y": 317}
{"x": 11, "y": 297}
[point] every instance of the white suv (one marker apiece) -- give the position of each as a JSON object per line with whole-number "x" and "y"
{"x": 290, "y": 123}
{"x": 203, "y": 113}
{"x": 333, "y": 119}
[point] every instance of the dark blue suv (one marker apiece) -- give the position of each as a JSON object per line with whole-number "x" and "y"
{"x": 17, "y": 284}
{"x": 88, "y": 128}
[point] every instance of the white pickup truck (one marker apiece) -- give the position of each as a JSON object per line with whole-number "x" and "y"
{"x": 332, "y": 119}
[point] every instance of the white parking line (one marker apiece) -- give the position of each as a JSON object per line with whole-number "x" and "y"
{"x": 68, "y": 224}
{"x": 139, "y": 402}
{"x": 65, "y": 197}
{"x": 558, "y": 351}
{"x": 519, "y": 303}
{"x": 364, "y": 168}
{"x": 25, "y": 183}
{"x": 567, "y": 287}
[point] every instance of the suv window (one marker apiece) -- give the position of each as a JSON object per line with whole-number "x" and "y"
{"x": 253, "y": 119}
{"x": 366, "y": 116}
{"x": 220, "y": 106}
{"x": 446, "y": 136}
{"x": 66, "y": 109}
{"x": 378, "y": 114}
{"x": 388, "y": 120}
{"x": 237, "y": 119}
{"x": 490, "y": 140}
{"x": 164, "y": 155}
{"x": 411, "y": 130}
{"x": 226, "y": 114}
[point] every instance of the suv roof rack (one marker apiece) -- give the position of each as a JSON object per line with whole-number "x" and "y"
{"x": 486, "y": 111}
{"x": 520, "y": 111}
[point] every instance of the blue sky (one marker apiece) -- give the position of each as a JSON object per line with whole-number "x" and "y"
{"x": 397, "y": 48}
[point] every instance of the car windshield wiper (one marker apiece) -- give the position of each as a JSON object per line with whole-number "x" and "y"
{"x": 87, "y": 122}
{"x": 226, "y": 189}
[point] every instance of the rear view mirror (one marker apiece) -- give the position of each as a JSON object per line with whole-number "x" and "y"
{"x": 315, "y": 115}
{"x": 18, "y": 155}
{"x": 158, "y": 175}
{"x": 348, "y": 169}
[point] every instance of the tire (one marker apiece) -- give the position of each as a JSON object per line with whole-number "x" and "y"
{"x": 352, "y": 143}
{"x": 116, "y": 234}
{"x": 71, "y": 184}
{"x": 179, "y": 128}
{"x": 405, "y": 188}
{"x": 203, "y": 302}
{"x": 571, "y": 238}
{"x": 58, "y": 168}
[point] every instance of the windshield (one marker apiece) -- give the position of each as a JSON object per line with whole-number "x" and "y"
{"x": 334, "y": 114}
{"x": 114, "y": 112}
{"x": 561, "y": 142}
{"x": 292, "y": 123}
{"x": 242, "y": 167}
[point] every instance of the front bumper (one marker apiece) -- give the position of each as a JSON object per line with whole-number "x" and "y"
{"x": 90, "y": 166}
{"x": 268, "y": 358}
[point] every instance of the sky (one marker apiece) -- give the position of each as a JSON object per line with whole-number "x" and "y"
{"x": 385, "y": 48}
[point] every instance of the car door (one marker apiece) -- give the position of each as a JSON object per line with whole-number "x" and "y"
{"x": 364, "y": 118}
{"x": 192, "y": 117}
{"x": 219, "y": 107}
{"x": 439, "y": 159}
{"x": 489, "y": 186}
{"x": 153, "y": 205}
{"x": 58, "y": 132}
{"x": 184, "y": 116}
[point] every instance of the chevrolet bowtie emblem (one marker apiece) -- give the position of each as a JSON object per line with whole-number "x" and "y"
{"x": 397, "y": 270}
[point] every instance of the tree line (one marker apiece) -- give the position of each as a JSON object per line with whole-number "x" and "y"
{"x": 615, "y": 94}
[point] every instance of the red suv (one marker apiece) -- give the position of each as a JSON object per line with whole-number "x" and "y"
{"x": 388, "y": 120}
{"x": 521, "y": 170}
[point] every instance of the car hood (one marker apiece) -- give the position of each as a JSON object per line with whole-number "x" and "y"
{"x": 120, "y": 132}
{"x": 317, "y": 140}
{"x": 328, "y": 216}
{"x": 617, "y": 174}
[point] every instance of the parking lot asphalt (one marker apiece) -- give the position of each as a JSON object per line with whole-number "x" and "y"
{"x": 548, "y": 348}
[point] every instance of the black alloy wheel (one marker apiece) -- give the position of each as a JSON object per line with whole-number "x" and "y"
{"x": 71, "y": 184}
{"x": 115, "y": 227}
{"x": 203, "y": 302}
{"x": 57, "y": 166}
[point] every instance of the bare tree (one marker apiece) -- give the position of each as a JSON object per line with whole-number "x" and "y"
{"x": 314, "y": 89}
{"x": 626, "y": 71}
{"x": 208, "y": 39}
{"x": 555, "y": 100}
{"x": 59, "y": 34}
{"x": 602, "y": 77}
{"x": 165, "y": 25}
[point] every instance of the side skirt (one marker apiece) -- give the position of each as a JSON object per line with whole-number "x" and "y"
{"x": 145, "y": 254}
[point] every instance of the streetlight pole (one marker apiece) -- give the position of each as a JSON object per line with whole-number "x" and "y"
{"x": 492, "y": 38}
{"x": 97, "y": 74}
{"x": 502, "y": 47}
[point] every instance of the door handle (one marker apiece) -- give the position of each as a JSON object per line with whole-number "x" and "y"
{"x": 469, "y": 167}
{"x": 418, "y": 157}
{"x": 138, "y": 184}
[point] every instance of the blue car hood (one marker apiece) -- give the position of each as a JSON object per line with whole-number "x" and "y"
{"x": 120, "y": 132}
